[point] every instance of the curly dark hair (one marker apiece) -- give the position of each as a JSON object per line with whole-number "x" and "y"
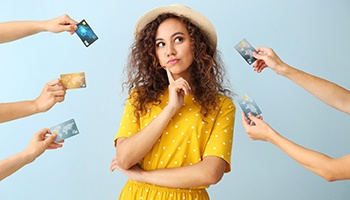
{"x": 148, "y": 80}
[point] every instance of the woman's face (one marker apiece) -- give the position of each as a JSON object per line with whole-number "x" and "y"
{"x": 173, "y": 48}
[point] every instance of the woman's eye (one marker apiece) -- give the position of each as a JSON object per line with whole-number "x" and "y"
{"x": 178, "y": 39}
{"x": 160, "y": 44}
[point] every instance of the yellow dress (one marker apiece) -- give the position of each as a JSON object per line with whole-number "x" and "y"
{"x": 185, "y": 141}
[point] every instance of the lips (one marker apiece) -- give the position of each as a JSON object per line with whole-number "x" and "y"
{"x": 173, "y": 61}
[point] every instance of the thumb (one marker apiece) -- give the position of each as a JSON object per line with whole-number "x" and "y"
{"x": 253, "y": 118}
{"x": 259, "y": 56}
{"x": 245, "y": 121}
{"x": 72, "y": 28}
{"x": 69, "y": 28}
{"x": 50, "y": 139}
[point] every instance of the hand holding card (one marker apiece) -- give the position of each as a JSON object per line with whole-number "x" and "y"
{"x": 74, "y": 80}
{"x": 248, "y": 105}
{"x": 246, "y": 50}
{"x": 65, "y": 130}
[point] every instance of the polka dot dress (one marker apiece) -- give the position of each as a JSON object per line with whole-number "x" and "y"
{"x": 186, "y": 141}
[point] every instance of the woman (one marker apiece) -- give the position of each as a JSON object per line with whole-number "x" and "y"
{"x": 175, "y": 137}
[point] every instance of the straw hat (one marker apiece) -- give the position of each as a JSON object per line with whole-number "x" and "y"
{"x": 196, "y": 18}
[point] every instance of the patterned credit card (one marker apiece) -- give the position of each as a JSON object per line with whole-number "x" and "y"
{"x": 65, "y": 130}
{"x": 75, "y": 80}
{"x": 248, "y": 105}
{"x": 246, "y": 50}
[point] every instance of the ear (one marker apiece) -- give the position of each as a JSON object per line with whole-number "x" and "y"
{"x": 192, "y": 44}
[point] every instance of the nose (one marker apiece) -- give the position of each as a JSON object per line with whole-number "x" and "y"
{"x": 170, "y": 50}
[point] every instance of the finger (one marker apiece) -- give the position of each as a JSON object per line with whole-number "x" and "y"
{"x": 261, "y": 50}
{"x": 170, "y": 76}
{"x": 69, "y": 28}
{"x": 253, "y": 118}
{"x": 259, "y": 56}
{"x": 70, "y": 20}
{"x": 54, "y": 146}
{"x": 112, "y": 167}
{"x": 244, "y": 117}
{"x": 245, "y": 121}
{"x": 59, "y": 83}
{"x": 55, "y": 82}
{"x": 49, "y": 140}
{"x": 73, "y": 28}
{"x": 43, "y": 133}
{"x": 59, "y": 99}
{"x": 188, "y": 87}
{"x": 60, "y": 142}
{"x": 59, "y": 90}
{"x": 185, "y": 86}
{"x": 259, "y": 66}
{"x": 114, "y": 163}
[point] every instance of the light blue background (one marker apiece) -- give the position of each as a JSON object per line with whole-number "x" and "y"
{"x": 310, "y": 35}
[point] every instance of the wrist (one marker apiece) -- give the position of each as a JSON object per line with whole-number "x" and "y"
{"x": 142, "y": 176}
{"x": 40, "y": 26}
{"x": 35, "y": 106}
{"x": 27, "y": 157}
{"x": 284, "y": 69}
{"x": 273, "y": 137}
{"x": 170, "y": 110}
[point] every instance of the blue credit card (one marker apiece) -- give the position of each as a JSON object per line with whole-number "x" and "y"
{"x": 65, "y": 130}
{"x": 85, "y": 33}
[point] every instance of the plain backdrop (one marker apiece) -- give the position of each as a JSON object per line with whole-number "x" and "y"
{"x": 310, "y": 35}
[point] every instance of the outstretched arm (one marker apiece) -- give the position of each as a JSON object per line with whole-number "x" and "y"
{"x": 10, "y": 31}
{"x": 207, "y": 172}
{"x": 36, "y": 147}
{"x": 52, "y": 93}
{"x": 329, "y": 168}
{"x": 328, "y": 92}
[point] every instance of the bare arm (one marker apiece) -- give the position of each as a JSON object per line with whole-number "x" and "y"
{"x": 10, "y": 31}
{"x": 328, "y": 92}
{"x": 11, "y": 111}
{"x": 329, "y": 168}
{"x": 36, "y": 147}
{"x": 131, "y": 150}
{"x": 52, "y": 93}
{"x": 207, "y": 172}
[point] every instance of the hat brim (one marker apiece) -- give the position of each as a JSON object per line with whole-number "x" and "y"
{"x": 195, "y": 17}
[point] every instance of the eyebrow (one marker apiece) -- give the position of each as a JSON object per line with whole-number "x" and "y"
{"x": 173, "y": 35}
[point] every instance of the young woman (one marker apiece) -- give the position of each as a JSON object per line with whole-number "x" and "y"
{"x": 176, "y": 133}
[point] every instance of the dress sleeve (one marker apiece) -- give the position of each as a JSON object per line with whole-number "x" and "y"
{"x": 221, "y": 138}
{"x": 129, "y": 124}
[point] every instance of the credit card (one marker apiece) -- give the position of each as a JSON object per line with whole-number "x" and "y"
{"x": 65, "y": 130}
{"x": 85, "y": 33}
{"x": 246, "y": 50}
